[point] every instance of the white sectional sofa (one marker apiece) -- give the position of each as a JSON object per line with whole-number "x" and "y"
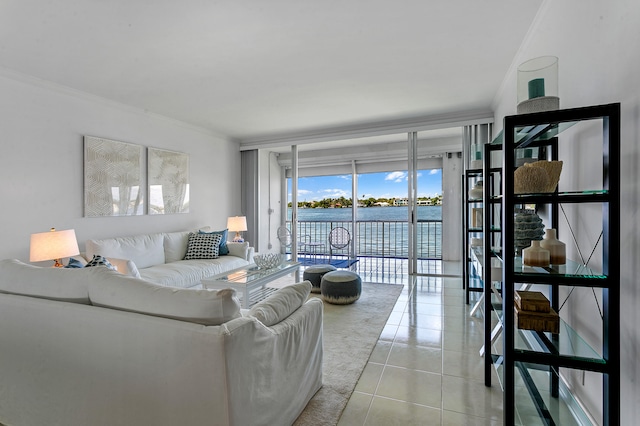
{"x": 158, "y": 258}
{"x": 91, "y": 346}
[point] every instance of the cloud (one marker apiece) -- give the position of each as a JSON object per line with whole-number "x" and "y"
{"x": 434, "y": 171}
{"x": 304, "y": 192}
{"x": 396, "y": 176}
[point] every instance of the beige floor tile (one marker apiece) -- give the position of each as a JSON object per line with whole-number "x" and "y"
{"x": 370, "y": 377}
{"x": 411, "y": 386}
{"x": 389, "y": 332}
{"x": 411, "y": 319}
{"x": 462, "y": 342}
{"x": 465, "y": 365}
{"x": 419, "y": 336}
{"x": 472, "y": 398}
{"x": 450, "y": 418}
{"x": 389, "y": 412}
{"x": 355, "y": 412}
{"x": 464, "y": 324}
{"x": 424, "y": 308}
{"x": 416, "y": 358}
{"x": 395, "y": 318}
{"x": 381, "y": 351}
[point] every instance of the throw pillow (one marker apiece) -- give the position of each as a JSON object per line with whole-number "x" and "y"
{"x": 125, "y": 266}
{"x": 203, "y": 246}
{"x": 74, "y": 263}
{"x": 223, "y": 250}
{"x": 280, "y": 304}
{"x": 99, "y": 261}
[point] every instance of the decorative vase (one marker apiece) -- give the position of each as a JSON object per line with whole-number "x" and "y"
{"x": 536, "y": 255}
{"x": 477, "y": 191}
{"x": 557, "y": 249}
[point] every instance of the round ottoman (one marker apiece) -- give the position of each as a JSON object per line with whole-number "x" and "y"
{"x": 341, "y": 287}
{"x": 314, "y": 275}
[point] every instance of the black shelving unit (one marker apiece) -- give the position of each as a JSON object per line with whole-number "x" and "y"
{"x": 472, "y": 282}
{"x": 492, "y": 228}
{"x": 527, "y": 353}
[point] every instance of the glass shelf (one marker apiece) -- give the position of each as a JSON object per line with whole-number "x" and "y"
{"x": 534, "y": 402}
{"x": 570, "y": 270}
{"x": 526, "y": 135}
{"x": 567, "y": 343}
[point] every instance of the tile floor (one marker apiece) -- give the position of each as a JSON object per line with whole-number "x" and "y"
{"x": 425, "y": 368}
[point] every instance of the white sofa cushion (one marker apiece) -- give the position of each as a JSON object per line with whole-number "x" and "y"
{"x": 280, "y": 304}
{"x": 175, "y": 244}
{"x": 189, "y": 273}
{"x": 67, "y": 285}
{"x": 144, "y": 250}
{"x": 208, "y": 307}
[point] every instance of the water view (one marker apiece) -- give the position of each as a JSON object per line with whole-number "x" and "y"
{"x": 381, "y": 231}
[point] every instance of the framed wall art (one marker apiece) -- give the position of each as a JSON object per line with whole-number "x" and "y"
{"x": 113, "y": 179}
{"x": 168, "y": 178}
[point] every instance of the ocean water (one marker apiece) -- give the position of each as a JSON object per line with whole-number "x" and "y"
{"x": 368, "y": 213}
{"x": 381, "y": 231}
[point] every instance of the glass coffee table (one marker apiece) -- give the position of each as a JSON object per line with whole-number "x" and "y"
{"x": 250, "y": 281}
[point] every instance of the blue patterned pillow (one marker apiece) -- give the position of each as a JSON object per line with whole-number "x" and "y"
{"x": 203, "y": 246}
{"x": 99, "y": 261}
{"x": 74, "y": 263}
{"x": 223, "y": 249}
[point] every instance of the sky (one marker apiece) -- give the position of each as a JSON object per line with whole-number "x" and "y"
{"x": 375, "y": 185}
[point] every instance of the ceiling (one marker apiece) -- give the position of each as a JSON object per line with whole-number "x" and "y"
{"x": 256, "y": 69}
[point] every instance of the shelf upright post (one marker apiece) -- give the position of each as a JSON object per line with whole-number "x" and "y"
{"x": 508, "y": 244}
{"x": 611, "y": 264}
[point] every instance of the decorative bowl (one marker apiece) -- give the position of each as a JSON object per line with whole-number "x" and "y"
{"x": 268, "y": 261}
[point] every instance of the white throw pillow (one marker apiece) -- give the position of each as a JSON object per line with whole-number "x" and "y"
{"x": 125, "y": 266}
{"x": 67, "y": 285}
{"x": 208, "y": 307}
{"x": 280, "y": 304}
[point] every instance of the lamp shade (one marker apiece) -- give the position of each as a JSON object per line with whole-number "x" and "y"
{"x": 53, "y": 245}
{"x": 237, "y": 224}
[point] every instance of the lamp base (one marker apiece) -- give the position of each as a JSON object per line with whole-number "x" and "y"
{"x": 238, "y": 238}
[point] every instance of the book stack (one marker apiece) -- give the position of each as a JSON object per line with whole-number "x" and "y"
{"x": 533, "y": 312}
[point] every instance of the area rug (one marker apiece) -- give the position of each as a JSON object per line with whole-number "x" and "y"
{"x": 350, "y": 333}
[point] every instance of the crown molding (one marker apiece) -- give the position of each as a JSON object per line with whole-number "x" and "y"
{"x": 377, "y": 128}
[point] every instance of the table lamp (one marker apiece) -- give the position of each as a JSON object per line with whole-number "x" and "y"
{"x": 53, "y": 245}
{"x": 237, "y": 224}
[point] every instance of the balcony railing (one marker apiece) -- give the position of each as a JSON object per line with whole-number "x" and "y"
{"x": 374, "y": 238}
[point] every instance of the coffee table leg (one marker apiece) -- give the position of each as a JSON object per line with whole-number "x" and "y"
{"x": 245, "y": 299}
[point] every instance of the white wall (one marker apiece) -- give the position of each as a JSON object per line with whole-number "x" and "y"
{"x": 41, "y": 165}
{"x": 598, "y": 46}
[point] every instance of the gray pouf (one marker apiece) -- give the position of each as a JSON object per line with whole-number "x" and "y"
{"x": 341, "y": 287}
{"x": 314, "y": 275}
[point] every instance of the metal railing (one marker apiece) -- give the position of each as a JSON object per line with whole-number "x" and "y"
{"x": 374, "y": 238}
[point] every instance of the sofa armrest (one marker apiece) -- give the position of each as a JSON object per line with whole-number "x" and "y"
{"x": 279, "y": 363}
{"x": 241, "y": 250}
